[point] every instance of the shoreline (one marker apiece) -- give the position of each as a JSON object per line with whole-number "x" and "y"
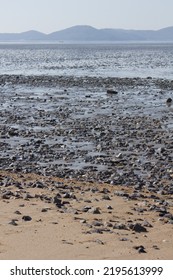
{"x": 85, "y": 173}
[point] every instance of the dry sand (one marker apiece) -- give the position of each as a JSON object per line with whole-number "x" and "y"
{"x": 68, "y": 232}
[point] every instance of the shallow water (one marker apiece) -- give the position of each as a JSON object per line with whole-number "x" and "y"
{"x": 112, "y": 60}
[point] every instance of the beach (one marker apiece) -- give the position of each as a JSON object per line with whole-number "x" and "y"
{"x": 86, "y": 173}
{"x": 52, "y": 218}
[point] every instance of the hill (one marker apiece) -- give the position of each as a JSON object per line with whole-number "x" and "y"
{"x": 89, "y": 33}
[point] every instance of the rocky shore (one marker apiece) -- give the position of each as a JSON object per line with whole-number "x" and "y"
{"x": 71, "y": 128}
{"x": 84, "y": 146}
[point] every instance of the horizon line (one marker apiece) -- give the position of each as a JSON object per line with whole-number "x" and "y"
{"x": 85, "y": 25}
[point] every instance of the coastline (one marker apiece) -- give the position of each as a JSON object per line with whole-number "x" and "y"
{"x": 85, "y": 174}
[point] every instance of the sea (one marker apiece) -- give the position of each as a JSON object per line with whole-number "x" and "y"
{"x": 84, "y": 59}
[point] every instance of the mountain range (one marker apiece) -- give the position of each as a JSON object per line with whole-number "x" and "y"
{"x": 89, "y": 33}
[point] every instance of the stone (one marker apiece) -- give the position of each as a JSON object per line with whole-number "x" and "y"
{"x": 26, "y": 218}
{"x": 13, "y": 222}
{"x": 141, "y": 249}
{"x": 94, "y": 210}
{"x": 137, "y": 227}
{"x": 112, "y": 91}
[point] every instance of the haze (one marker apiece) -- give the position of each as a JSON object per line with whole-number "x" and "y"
{"x": 51, "y": 15}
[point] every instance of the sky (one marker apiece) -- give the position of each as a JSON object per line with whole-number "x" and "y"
{"x": 52, "y": 15}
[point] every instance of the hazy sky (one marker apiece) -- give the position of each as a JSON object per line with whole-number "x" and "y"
{"x": 52, "y": 15}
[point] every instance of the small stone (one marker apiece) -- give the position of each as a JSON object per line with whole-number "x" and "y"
{"x": 137, "y": 227}
{"x": 86, "y": 208}
{"x": 120, "y": 226}
{"x": 146, "y": 224}
{"x": 57, "y": 201}
{"x": 13, "y": 222}
{"x": 109, "y": 207}
{"x": 99, "y": 241}
{"x": 112, "y": 91}
{"x": 26, "y": 218}
{"x": 169, "y": 102}
{"x": 141, "y": 249}
{"x": 124, "y": 239}
{"x": 97, "y": 224}
{"x": 106, "y": 197}
{"x": 95, "y": 210}
{"x": 17, "y": 212}
{"x": 83, "y": 221}
{"x": 44, "y": 210}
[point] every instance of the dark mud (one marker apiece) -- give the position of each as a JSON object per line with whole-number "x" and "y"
{"x": 71, "y": 128}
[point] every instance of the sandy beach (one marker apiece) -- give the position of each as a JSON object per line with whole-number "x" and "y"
{"x": 52, "y": 218}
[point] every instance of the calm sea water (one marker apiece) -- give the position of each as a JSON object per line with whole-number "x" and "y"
{"x": 106, "y": 60}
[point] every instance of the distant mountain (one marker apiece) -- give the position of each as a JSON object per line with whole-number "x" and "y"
{"x": 24, "y": 36}
{"x": 89, "y": 33}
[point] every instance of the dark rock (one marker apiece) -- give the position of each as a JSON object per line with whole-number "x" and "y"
{"x": 17, "y": 212}
{"x": 97, "y": 223}
{"x": 86, "y": 208}
{"x": 94, "y": 210}
{"x": 111, "y": 91}
{"x": 7, "y": 195}
{"x": 13, "y": 222}
{"x": 169, "y": 102}
{"x": 137, "y": 227}
{"x": 26, "y": 218}
{"x": 141, "y": 249}
{"x": 57, "y": 201}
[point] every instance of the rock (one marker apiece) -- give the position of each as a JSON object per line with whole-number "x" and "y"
{"x": 169, "y": 102}
{"x": 44, "y": 210}
{"x": 99, "y": 241}
{"x": 124, "y": 239}
{"x": 69, "y": 195}
{"x": 94, "y": 210}
{"x": 17, "y": 212}
{"x": 112, "y": 91}
{"x": 13, "y": 222}
{"x": 86, "y": 208}
{"x": 57, "y": 201}
{"x": 120, "y": 226}
{"x": 97, "y": 223}
{"x": 39, "y": 184}
{"x": 137, "y": 227}
{"x": 146, "y": 224}
{"x": 109, "y": 207}
{"x": 106, "y": 197}
{"x": 26, "y": 218}
{"x": 27, "y": 196}
{"x": 7, "y": 195}
{"x": 141, "y": 249}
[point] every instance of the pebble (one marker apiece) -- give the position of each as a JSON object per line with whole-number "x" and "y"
{"x": 141, "y": 249}
{"x": 26, "y": 218}
{"x": 137, "y": 227}
{"x": 13, "y": 222}
{"x": 94, "y": 210}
